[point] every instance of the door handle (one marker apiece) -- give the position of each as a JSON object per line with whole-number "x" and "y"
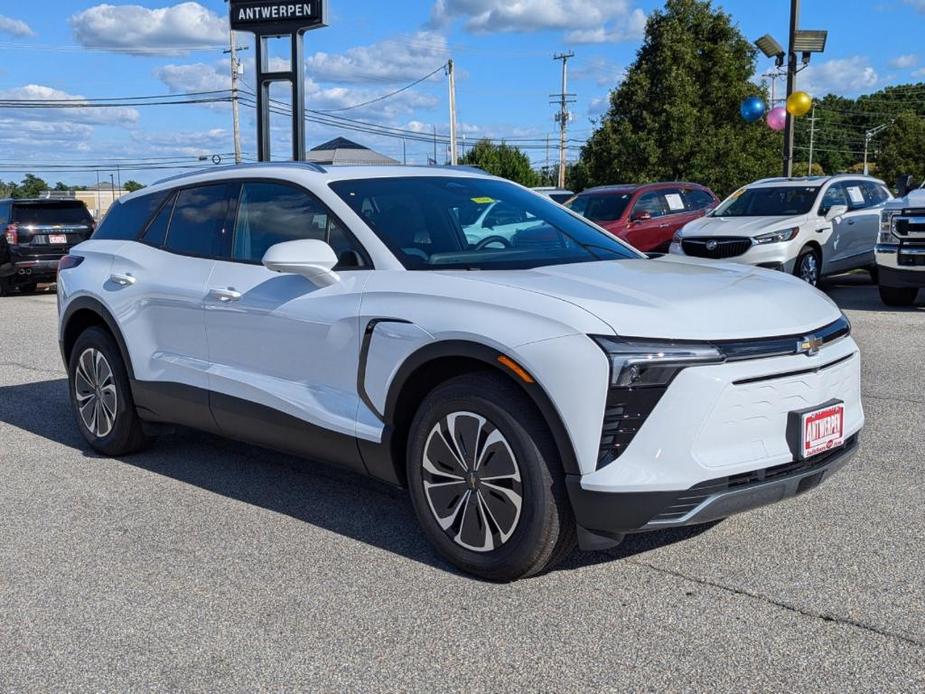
{"x": 123, "y": 280}
{"x": 225, "y": 295}
{"x": 663, "y": 226}
{"x": 851, "y": 222}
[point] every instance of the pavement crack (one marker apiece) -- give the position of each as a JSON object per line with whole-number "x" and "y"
{"x": 27, "y": 367}
{"x": 791, "y": 608}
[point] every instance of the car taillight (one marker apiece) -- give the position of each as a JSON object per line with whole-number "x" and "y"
{"x": 69, "y": 261}
{"x": 12, "y": 234}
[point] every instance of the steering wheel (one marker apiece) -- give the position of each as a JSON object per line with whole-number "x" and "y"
{"x": 488, "y": 240}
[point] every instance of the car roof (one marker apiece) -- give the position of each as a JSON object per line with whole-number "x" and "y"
{"x": 306, "y": 171}
{"x": 633, "y": 187}
{"x": 814, "y": 181}
{"x": 42, "y": 201}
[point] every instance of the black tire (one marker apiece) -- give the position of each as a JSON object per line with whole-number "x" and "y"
{"x": 808, "y": 259}
{"x": 6, "y": 286}
{"x": 125, "y": 435}
{"x": 898, "y": 296}
{"x": 512, "y": 436}
{"x": 28, "y": 288}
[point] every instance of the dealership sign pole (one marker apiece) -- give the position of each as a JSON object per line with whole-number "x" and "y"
{"x": 273, "y": 19}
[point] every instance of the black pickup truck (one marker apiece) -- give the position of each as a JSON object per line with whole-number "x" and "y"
{"x": 34, "y": 235}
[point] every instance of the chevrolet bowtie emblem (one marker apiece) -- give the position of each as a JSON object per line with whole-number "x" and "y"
{"x": 810, "y": 346}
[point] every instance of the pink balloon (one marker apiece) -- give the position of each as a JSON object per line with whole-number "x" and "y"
{"x": 777, "y": 118}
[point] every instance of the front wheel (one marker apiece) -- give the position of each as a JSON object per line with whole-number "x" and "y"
{"x": 808, "y": 266}
{"x": 898, "y": 296}
{"x": 486, "y": 481}
{"x": 101, "y": 395}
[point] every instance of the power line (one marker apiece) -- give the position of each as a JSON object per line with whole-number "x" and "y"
{"x": 389, "y": 95}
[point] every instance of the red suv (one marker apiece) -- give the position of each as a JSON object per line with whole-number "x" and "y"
{"x": 645, "y": 216}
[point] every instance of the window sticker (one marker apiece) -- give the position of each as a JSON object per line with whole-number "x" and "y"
{"x": 857, "y": 197}
{"x": 675, "y": 202}
{"x": 483, "y": 201}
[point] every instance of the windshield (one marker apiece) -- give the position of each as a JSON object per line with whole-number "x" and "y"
{"x": 601, "y": 208}
{"x": 47, "y": 214}
{"x": 779, "y": 201}
{"x": 441, "y": 223}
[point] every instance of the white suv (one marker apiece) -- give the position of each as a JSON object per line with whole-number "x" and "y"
{"x": 810, "y": 227}
{"x": 552, "y": 385}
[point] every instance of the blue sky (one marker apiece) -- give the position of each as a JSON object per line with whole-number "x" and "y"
{"x": 503, "y": 50}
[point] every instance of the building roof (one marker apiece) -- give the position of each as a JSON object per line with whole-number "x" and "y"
{"x": 340, "y": 150}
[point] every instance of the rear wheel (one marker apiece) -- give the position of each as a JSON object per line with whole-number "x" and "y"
{"x": 485, "y": 479}
{"x": 898, "y": 296}
{"x": 6, "y": 286}
{"x": 808, "y": 266}
{"x": 102, "y": 397}
{"x": 28, "y": 288}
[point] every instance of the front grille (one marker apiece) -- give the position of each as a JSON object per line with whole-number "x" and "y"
{"x": 626, "y": 412}
{"x": 687, "y": 501}
{"x": 716, "y": 248}
{"x": 910, "y": 224}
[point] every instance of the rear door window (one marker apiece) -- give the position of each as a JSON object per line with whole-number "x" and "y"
{"x": 52, "y": 214}
{"x": 126, "y": 220}
{"x": 197, "y": 227}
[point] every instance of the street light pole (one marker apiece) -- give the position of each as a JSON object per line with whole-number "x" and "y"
{"x": 791, "y": 86}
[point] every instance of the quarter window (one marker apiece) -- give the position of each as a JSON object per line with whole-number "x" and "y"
{"x": 126, "y": 220}
{"x": 272, "y": 213}
{"x": 197, "y": 227}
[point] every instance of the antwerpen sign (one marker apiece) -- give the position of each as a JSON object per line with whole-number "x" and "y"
{"x": 277, "y": 17}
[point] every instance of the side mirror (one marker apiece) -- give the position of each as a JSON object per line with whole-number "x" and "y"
{"x": 835, "y": 211}
{"x": 903, "y": 185}
{"x": 642, "y": 216}
{"x": 314, "y": 260}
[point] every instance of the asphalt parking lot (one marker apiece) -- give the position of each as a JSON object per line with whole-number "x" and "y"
{"x": 205, "y": 564}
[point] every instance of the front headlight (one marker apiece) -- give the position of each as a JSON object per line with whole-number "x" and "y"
{"x": 778, "y": 236}
{"x": 641, "y": 363}
{"x": 886, "y": 226}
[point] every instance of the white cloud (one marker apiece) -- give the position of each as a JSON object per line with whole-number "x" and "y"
{"x": 904, "y": 62}
{"x": 844, "y": 76}
{"x": 185, "y": 143}
{"x": 598, "y": 106}
{"x": 402, "y": 58}
{"x": 919, "y": 73}
{"x": 194, "y": 77}
{"x": 629, "y": 28}
{"x": 77, "y": 114}
{"x": 917, "y": 4}
{"x": 588, "y": 20}
{"x": 16, "y": 27}
{"x": 601, "y": 70}
{"x": 137, "y": 30}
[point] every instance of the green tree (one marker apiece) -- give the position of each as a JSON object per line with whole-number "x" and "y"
{"x": 902, "y": 149}
{"x": 501, "y": 160}
{"x": 30, "y": 187}
{"x": 676, "y": 114}
{"x": 132, "y": 186}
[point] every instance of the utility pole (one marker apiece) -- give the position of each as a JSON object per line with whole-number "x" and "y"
{"x": 235, "y": 110}
{"x": 546, "y": 170}
{"x": 404, "y": 152}
{"x": 868, "y": 136}
{"x": 812, "y": 140}
{"x": 436, "y": 163}
{"x": 451, "y": 72}
{"x": 791, "y": 85}
{"x": 773, "y": 76}
{"x": 564, "y": 115}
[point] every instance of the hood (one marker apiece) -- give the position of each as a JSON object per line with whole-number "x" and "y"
{"x": 739, "y": 226}
{"x": 680, "y": 298}
{"x": 914, "y": 199}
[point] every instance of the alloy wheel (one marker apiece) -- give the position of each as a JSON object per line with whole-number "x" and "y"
{"x": 95, "y": 392}
{"x": 809, "y": 269}
{"x": 472, "y": 481}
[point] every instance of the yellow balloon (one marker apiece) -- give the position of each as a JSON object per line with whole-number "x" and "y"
{"x": 799, "y": 104}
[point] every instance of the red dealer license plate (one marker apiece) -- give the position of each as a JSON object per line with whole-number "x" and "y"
{"x": 823, "y": 430}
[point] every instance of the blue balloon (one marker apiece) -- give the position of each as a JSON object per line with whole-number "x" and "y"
{"x": 752, "y": 109}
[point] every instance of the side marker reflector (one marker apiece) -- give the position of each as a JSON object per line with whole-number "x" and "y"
{"x": 516, "y": 368}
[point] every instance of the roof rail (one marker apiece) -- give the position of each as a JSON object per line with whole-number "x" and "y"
{"x": 312, "y": 166}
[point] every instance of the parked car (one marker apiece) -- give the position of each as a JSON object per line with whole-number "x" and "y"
{"x": 810, "y": 227}
{"x": 645, "y": 216}
{"x": 563, "y": 386}
{"x": 36, "y": 234}
{"x": 901, "y": 249}
{"x": 559, "y": 195}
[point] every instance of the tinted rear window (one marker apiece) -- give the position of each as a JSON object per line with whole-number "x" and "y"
{"x": 601, "y": 208}
{"x": 51, "y": 213}
{"x": 198, "y": 224}
{"x": 126, "y": 220}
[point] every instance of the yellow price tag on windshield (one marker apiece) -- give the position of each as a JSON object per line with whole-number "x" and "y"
{"x": 483, "y": 201}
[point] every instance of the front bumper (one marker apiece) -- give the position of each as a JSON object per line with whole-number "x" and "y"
{"x": 773, "y": 256}
{"x": 901, "y": 266}
{"x": 604, "y": 518}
